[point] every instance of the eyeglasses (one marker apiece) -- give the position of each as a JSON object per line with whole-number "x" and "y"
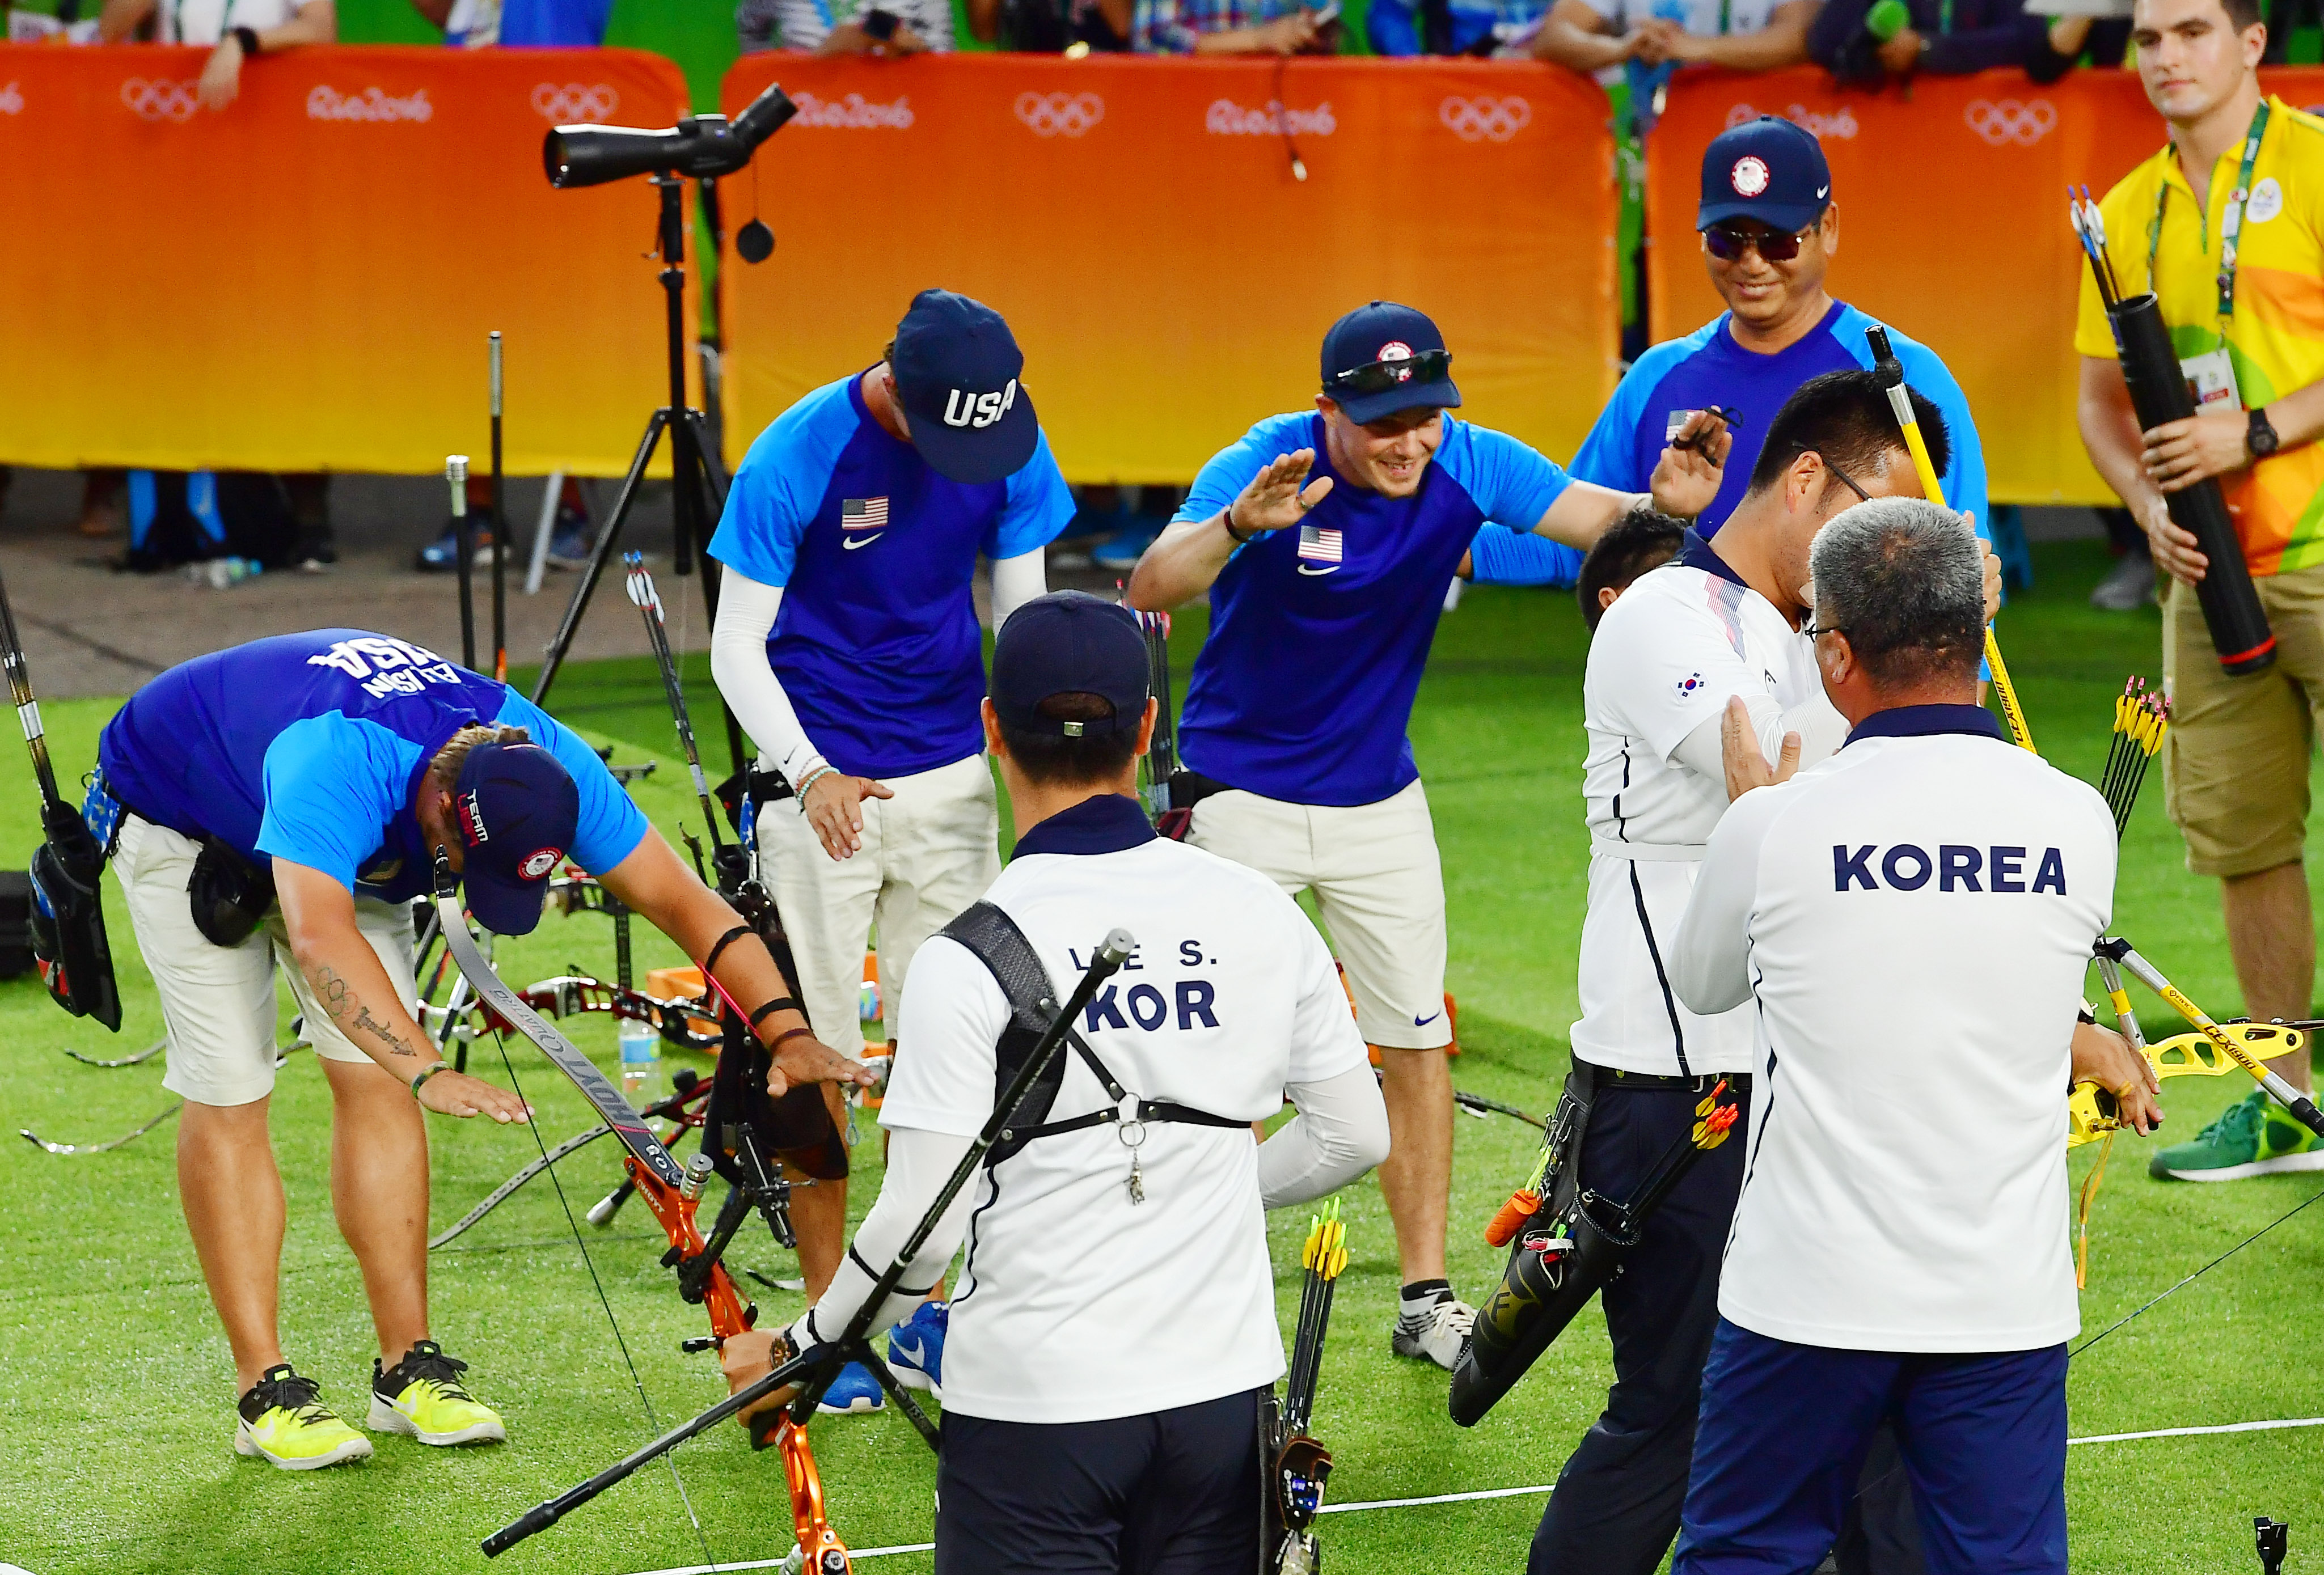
{"x": 1811, "y": 628}
{"x": 1728, "y": 242}
{"x": 1381, "y": 376}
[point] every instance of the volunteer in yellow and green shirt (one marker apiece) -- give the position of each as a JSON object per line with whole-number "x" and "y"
{"x": 2227, "y": 222}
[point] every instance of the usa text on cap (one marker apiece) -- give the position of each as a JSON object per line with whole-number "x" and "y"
{"x": 958, "y": 374}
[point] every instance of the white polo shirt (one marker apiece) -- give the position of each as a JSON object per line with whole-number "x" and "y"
{"x": 1077, "y": 1304}
{"x": 1666, "y": 657}
{"x": 1910, "y": 923}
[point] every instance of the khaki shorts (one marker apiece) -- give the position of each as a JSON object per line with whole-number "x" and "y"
{"x": 1378, "y": 884}
{"x": 217, "y": 1002}
{"x": 927, "y": 853}
{"x": 2236, "y": 760}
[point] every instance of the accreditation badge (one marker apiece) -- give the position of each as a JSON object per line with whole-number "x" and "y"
{"x": 2211, "y": 380}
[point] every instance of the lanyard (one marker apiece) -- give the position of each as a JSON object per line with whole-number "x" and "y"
{"x": 2231, "y": 220}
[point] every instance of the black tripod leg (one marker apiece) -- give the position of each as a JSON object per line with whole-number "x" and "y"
{"x": 707, "y": 501}
{"x": 900, "y": 1395}
{"x": 554, "y": 658}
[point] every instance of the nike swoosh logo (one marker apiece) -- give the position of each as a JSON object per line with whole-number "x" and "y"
{"x": 916, "y": 1353}
{"x": 851, "y": 542}
{"x": 1329, "y": 568}
{"x": 1424, "y": 1022}
{"x": 1820, "y": 191}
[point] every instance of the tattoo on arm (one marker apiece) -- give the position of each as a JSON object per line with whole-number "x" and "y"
{"x": 339, "y": 998}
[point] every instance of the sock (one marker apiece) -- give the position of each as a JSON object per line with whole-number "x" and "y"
{"x": 1417, "y": 1298}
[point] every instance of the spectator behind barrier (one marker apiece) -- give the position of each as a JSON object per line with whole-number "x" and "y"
{"x": 1443, "y": 27}
{"x": 1870, "y": 42}
{"x": 1047, "y": 27}
{"x": 261, "y": 27}
{"x": 1231, "y": 27}
{"x": 1601, "y": 36}
{"x": 475, "y": 24}
{"x": 846, "y": 27}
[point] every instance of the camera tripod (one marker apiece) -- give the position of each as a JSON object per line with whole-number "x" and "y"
{"x": 696, "y": 497}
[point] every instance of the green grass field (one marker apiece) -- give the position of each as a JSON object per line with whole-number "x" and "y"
{"x": 116, "y": 1403}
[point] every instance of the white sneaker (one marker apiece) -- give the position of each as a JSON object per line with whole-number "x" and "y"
{"x": 1436, "y": 1334}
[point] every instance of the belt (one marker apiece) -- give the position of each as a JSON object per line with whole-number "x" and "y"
{"x": 1649, "y": 853}
{"x": 1611, "y": 1080}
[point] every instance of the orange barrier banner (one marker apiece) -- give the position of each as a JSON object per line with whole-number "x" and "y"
{"x": 1952, "y": 227}
{"x": 1144, "y": 226}
{"x": 305, "y": 279}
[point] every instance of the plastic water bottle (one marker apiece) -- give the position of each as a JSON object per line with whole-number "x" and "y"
{"x": 640, "y": 1061}
{"x": 220, "y": 574}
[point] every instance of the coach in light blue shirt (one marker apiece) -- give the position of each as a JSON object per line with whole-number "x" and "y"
{"x": 1769, "y": 229}
{"x": 1325, "y": 538}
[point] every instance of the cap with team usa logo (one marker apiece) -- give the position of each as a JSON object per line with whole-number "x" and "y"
{"x": 515, "y": 807}
{"x": 1768, "y": 170}
{"x": 1382, "y": 358}
{"x": 958, "y": 373}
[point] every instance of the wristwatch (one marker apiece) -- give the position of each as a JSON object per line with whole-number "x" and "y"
{"x": 2261, "y": 439}
{"x": 247, "y": 37}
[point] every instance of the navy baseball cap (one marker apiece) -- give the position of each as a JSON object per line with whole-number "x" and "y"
{"x": 1069, "y": 642}
{"x": 515, "y": 807}
{"x": 1767, "y": 170}
{"x": 957, "y": 369}
{"x": 1379, "y": 336}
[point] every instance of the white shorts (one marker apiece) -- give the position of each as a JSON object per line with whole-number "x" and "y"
{"x": 217, "y": 1002}
{"x": 927, "y": 853}
{"x": 1378, "y": 883}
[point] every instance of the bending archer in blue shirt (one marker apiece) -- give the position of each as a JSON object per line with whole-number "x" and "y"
{"x": 283, "y": 801}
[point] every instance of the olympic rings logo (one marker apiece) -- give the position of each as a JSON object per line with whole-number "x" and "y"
{"x": 160, "y": 101}
{"x": 2011, "y": 122}
{"x": 12, "y": 99}
{"x": 1060, "y": 115}
{"x": 574, "y": 101}
{"x": 1485, "y": 120}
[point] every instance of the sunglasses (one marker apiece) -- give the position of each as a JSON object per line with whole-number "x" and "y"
{"x": 1728, "y": 242}
{"x": 1846, "y": 480}
{"x": 1381, "y": 376}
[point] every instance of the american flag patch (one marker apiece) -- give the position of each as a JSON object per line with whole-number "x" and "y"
{"x": 863, "y": 514}
{"x": 1319, "y": 543}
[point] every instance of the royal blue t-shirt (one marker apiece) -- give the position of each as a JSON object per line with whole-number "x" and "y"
{"x": 1707, "y": 368}
{"x": 1318, "y": 633}
{"x": 877, "y": 642}
{"x": 309, "y": 747}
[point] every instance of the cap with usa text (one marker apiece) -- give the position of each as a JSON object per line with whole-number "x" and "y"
{"x": 1069, "y": 642}
{"x": 1768, "y": 170}
{"x": 958, "y": 375}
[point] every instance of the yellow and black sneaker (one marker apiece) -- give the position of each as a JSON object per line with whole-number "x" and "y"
{"x": 285, "y": 1423}
{"x": 422, "y": 1396}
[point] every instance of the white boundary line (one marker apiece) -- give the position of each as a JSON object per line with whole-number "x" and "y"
{"x": 2098, "y": 1437}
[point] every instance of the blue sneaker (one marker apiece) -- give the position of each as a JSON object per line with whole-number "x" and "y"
{"x": 571, "y": 539}
{"x": 916, "y": 1347}
{"x": 1122, "y": 549}
{"x": 854, "y": 1390}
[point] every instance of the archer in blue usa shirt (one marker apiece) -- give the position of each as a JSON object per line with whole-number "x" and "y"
{"x": 310, "y": 748}
{"x": 1318, "y": 633}
{"x": 876, "y": 643}
{"x": 1707, "y": 368}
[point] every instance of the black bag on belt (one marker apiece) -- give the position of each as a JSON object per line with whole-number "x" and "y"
{"x": 229, "y": 893}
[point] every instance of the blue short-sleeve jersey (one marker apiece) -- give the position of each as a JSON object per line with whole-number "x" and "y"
{"x": 309, "y": 747}
{"x": 1706, "y": 368}
{"x": 877, "y": 642}
{"x": 1318, "y": 633}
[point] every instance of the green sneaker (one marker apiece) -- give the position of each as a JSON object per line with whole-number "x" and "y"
{"x": 2253, "y": 1136}
{"x": 422, "y": 1396}
{"x": 284, "y": 1423}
